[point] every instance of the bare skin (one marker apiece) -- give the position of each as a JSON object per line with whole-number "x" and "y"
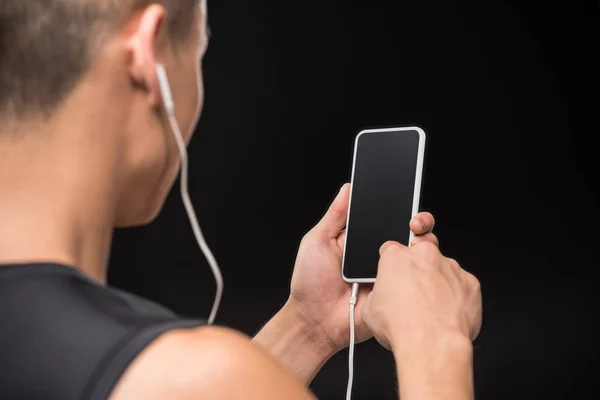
{"x": 106, "y": 159}
{"x": 427, "y": 310}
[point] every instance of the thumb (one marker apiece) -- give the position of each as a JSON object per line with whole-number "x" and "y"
{"x": 334, "y": 220}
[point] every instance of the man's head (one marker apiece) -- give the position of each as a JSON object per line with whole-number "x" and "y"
{"x": 59, "y": 58}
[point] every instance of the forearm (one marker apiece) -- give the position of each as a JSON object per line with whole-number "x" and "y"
{"x": 294, "y": 343}
{"x": 435, "y": 367}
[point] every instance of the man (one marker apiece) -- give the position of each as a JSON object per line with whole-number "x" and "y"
{"x": 85, "y": 146}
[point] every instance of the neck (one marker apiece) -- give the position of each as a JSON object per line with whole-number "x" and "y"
{"x": 59, "y": 193}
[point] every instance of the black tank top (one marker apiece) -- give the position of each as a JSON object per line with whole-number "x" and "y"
{"x": 64, "y": 336}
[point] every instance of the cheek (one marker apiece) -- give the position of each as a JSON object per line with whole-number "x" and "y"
{"x": 153, "y": 158}
{"x": 150, "y": 163}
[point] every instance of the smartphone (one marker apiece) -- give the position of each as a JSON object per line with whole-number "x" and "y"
{"x": 387, "y": 172}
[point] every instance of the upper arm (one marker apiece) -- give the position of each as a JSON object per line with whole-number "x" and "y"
{"x": 206, "y": 363}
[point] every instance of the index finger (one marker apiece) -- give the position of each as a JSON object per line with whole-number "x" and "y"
{"x": 389, "y": 246}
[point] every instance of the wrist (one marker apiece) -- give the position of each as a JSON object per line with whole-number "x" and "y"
{"x": 417, "y": 338}
{"x": 442, "y": 342}
{"x": 295, "y": 342}
{"x": 305, "y": 330}
{"x": 435, "y": 362}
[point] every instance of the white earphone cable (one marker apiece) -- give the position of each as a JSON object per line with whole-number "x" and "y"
{"x": 185, "y": 196}
{"x": 353, "y": 299}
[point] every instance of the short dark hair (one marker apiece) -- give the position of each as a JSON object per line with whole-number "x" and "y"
{"x": 47, "y": 46}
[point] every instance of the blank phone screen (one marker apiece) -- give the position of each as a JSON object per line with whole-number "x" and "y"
{"x": 381, "y": 203}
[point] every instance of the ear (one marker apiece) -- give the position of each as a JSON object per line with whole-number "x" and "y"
{"x": 146, "y": 41}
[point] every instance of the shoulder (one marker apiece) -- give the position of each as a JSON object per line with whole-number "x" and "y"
{"x": 206, "y": 362}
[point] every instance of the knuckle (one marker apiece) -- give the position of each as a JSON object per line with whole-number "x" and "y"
{"x": 430, "y": 237}
{"x": 391, "y": 248}
{"x": 305, "y": 238}
{"x": 454, "y": 263}
{"x": 427, "y": 246}
{"x": 396, "y": 247}
{"x": 337, "y": 211}
{"x": 474, "y": 283}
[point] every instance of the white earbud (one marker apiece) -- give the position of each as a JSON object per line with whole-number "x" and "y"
{"x": 165, "y": 91}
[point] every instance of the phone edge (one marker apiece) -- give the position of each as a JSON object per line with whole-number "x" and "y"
{"x": 417, "y": 191}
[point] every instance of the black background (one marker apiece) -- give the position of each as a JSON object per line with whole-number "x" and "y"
{"x": 508, "y": 93}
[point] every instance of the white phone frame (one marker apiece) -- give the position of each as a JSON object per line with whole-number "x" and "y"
{"x": 416, "y": 195}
